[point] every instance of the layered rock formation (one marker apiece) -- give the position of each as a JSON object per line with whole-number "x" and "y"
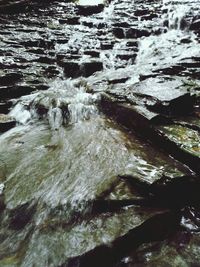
{"x": 69, "y": 72}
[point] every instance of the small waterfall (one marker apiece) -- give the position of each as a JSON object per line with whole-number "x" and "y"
{"x": 114, "y": 59}
{"x": 21, "y": 112}
{"x": 175, "y": 14}
{"x": 64, "y": 103}
{"x": 167, "y": 49}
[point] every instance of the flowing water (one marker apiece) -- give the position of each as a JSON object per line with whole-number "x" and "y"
{"x": 64, "y": 152}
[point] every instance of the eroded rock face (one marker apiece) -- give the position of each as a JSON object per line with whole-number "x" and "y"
{"x": 69, "y": 70}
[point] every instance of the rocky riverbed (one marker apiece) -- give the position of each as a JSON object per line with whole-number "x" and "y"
{"x": 88, "y": 92}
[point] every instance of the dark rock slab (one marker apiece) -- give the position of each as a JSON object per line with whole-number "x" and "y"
{"x": 132, "y": 33}
{"x": 118, "y": 32}
{"x": 6, "y": 123}
{"x": 15, "y": 91}
{"x": 186, "y": 138}
{"x": 71, "y": 68}
{"x": 87, "y": 10}
{"x": 172, "y": 70}
{"x": 147, "y": 124}
{"x": 136, "y": 33}
{"x": 90, "y": 67}
{"x": 157, "y": 228}
{"x": 45, "y": 60}
{"x": 70, "y": 20}
{"x": 10, "y": 78}
{"x": 131, "y": 116}
{"x": 195, "y": 26}
{"x": 169, "y": 95}
{"x": 21, "y": 216}
{"x": 105, "y": 45}
{"x": 132, "y": 44}
{"x": 13, "y": 6}
{"x": 127, "y": 56}
{"x": 92, "y": 53}
{"x": 5, "y": 107}
{"x": 190, "y": 64}
{"x": 75, "y": 69}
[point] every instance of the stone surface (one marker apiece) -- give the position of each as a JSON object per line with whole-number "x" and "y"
{"x": 75, "y": 74}
{"x": 6, "y": 123}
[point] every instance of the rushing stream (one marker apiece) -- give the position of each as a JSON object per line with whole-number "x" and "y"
{"x": 65, "y": 153}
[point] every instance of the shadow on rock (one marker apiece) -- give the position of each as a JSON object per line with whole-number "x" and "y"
{"x": 157, "y": 228}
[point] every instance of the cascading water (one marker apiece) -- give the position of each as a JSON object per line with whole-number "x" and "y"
{"x": 64, "y": 153}
{"x": 64, "y": 103}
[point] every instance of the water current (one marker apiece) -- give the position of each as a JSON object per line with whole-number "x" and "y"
{"x": 64, "y": 152}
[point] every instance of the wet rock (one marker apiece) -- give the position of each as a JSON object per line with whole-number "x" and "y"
{"x": 63, "y": 58}
{"x": 45, "y": 60}
{"x": 127, "y": 56}
{"x": 13, "y": 6}
{"x": 173, "y": 70}
{"x": 132, "y": 116}
{"x": 31, "y": 42}
{"x": 163, "y": 192}
{"x": 120, "y": 80}
{"x": 75, "y": 69}
{"x": 132, "y": 33}
{"x": 6, "y": 123}
{"x": 141, "y": 12}
{"x": 119, "y": 33}
{"x": 195, "y": 26}
{"x": 121, "y": 25}
{"x": 70, "y": 20}
{"x": 11, "y": 92}
{"x": 10, "y": 78}
{"x": 149, "y": 17}
{"x": 147, "y": 124}
{"x": 5, "y": 107}
{"x": 185, "y": 143}
{"x": 87, "y": 10}
{"x": 190, "y": 64}
{"x": 36, "y": 51}
{"x": 50, "y": 72}
{"x": 105, "y": 45}
{"x": 132, "y": 44}
{"x": 2, "y": 202}
{"x": 157, "y": 228}
{"x": 88, "y": 68}
{"x": 92, "y": 53}
{"x": 47, "y": 44}
{"x": 186, "y": 40}
{"x": 71, "y": 69}
{"x": 136, "y": 33}
{"x": 178, "y": 106}
{"x": 21, "y": 216}
{"x": 88, "y": 24}
{"x": 169, "y": 96}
